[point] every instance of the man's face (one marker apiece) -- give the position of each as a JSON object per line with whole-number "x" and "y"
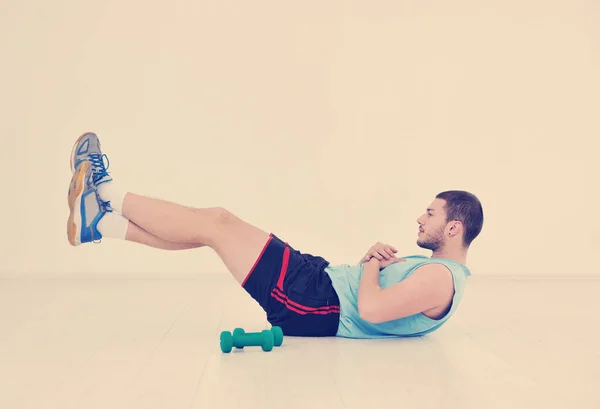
{"x": 432, "y": 224}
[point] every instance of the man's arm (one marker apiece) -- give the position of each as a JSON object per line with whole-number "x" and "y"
{"x": 428, "y": 287}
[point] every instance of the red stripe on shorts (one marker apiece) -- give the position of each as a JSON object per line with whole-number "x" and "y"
{"x": 303, "y": 309}
{"x": 284, "y": 267}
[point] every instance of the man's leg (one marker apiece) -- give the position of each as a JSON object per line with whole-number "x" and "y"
{"x": 237, "y": 242}
{"x": 138, "y": 235}
{"x": 89, "y": 219}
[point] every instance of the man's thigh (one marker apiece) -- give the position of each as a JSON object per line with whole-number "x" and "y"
{"x": 238, "y": 243}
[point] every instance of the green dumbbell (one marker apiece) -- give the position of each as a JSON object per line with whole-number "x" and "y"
{"x": 262, "y": 339}
{"x": 239, "y": 333}
{"x": 240, "y": 339}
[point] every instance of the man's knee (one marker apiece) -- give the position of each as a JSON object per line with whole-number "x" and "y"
{"x": 212, "y": 222}
{"x": 222, "y": 215}
{"x": 216, "y": 213}
{"x": 222, "y": 221}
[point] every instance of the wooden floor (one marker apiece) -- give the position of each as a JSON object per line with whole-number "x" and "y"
{"x": 153, "y": 342}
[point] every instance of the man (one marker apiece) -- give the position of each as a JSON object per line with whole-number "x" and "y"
{"x": 381, "y": 296}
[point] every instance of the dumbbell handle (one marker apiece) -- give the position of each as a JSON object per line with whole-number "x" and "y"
{"x": 250, "y": 339}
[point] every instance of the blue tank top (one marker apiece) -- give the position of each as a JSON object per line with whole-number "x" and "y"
{"x": 346, "y": 280}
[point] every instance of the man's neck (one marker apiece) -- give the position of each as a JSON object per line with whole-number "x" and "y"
{"x": 459, "y": 256}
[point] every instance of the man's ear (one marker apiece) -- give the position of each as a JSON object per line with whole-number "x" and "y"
{"x": 456, "y": 227}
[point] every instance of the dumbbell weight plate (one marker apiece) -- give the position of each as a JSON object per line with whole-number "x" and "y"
{"x": 277, "y": 336}
{"x": 226, "y": 341}
{"x": 268, "y": 340}
{"x": 236, "y": 335}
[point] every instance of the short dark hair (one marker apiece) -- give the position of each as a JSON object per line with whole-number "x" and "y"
{"x": 466, "y": 208}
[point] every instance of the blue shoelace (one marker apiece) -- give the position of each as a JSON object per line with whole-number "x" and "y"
{"x": 99, "y": 169}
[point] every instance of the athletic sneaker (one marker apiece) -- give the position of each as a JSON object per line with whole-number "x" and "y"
{"x": 87, "y": 148}
{"x": 86, "y": 207}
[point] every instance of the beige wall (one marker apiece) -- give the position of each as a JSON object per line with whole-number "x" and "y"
{"x": 332, "y": 124}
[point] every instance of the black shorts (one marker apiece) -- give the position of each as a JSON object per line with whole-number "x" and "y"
{"x": 294, "y": 290}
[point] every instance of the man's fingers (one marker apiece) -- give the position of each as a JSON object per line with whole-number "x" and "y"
{"x": 381, "y": 251}
{"x": 386, "y": 252}
{"x": 377, "y": 255}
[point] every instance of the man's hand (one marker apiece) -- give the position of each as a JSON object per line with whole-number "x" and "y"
{"x": 382, "y": 252}
{"x": 383, "y": 264}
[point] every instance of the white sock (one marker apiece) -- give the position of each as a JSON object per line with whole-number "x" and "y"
{"x": 109, "y": 192}
{"x": 113, "y": 225}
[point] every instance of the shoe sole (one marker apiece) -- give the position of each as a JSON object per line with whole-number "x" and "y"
{"x": 75, "y": 192}
{"x": 73, "y": 150}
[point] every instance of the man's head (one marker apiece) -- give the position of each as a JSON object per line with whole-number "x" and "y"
{"x": 454, "y": 217}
